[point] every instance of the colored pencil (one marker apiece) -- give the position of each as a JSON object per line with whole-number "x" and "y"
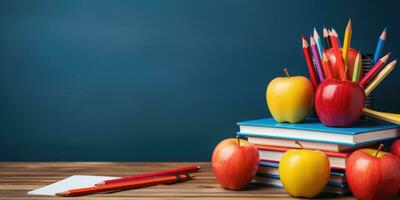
{"x": 182, "y": 170}
{"x": 374, "y": 70}
{"x": 310, "y": 65}
{"x": 379, "y": 46}
{"x": 317, "y": 58}
{"x": 391, "y": 114}
{"x": 340, "y": 69}
{"x": 126, "y": 185}
{"x": 357, "y": 68}
{"x": 346, "y": 43}
{"x": 327, "y": 66}
{"x": 318, "y": 42}
{"x": 379, "y": 78}
{"x": 327, "y": 39}
{"x": 389, "y": 117}
{"x": 337, "y": 37}
{"x": 334, "y": 39}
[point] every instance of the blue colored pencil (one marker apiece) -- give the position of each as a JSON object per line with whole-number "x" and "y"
{"x": 379, "y": 46}
{"x": 319, "y": 42}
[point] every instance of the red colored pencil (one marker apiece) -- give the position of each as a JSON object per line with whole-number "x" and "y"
{"x": 327, "y": 66}
{"x": 182, "y": 170}
{"x": 340, "y": 68}
{"x": 374, "y": 70}
{"x": 334, "y": 39}
{"x": 125, "y": 185}
{"x": 310, "y": 65}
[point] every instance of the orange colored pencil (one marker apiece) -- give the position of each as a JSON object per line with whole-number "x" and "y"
{"x": 181, "y": 170}
{"x": 310, "y": 65}
{"x": 126, "y": 185}
{"x": 326, "y": 65}
{"x": 340, "y": 68}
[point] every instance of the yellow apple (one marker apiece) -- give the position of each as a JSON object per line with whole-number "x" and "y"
{"x": 304, "y": 173}
{"x": 290, "y": 98}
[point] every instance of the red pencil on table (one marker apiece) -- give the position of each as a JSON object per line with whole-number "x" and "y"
{"x": 374, "y": 70}
{"x": 126, "y": 185}
{"x": 182, "y": 170}
{"x": 310, "y": 65}
{"x": 340, "y": 69}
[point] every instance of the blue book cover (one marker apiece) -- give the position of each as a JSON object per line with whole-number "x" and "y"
{"x": 312, "y": 130}
{"x": 312, "y": 124}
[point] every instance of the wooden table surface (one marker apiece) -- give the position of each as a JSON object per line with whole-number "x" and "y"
{"x": 17, "y": 178}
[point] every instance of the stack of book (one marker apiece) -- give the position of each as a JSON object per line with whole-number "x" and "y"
{"x": 274, "y": 139}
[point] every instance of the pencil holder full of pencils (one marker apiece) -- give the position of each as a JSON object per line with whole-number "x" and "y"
{"x": 339, "y": 102}
{"x": 344, "y": 79}
{"x": 339, "y": 98}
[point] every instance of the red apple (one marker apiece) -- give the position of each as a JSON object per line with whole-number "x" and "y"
{"x": 235, "y": 163}
{"x": 352, "y": 54}
{"x": 396, "y": 148}
{"x": 373, "y": 174}
{"x": 339, "y": 103}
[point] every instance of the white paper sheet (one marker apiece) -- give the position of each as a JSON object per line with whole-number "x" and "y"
{"x": 72, "y": 182}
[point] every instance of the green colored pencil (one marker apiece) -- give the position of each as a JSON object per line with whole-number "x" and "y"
{"x": 357, "y": 68}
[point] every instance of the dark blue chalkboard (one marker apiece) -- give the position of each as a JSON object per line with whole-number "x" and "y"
{"x": 156, "y": 80}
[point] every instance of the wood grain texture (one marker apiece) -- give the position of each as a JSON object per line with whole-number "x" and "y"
{"x": 17, "y": 178}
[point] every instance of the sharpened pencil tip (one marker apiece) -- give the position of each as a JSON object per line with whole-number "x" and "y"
{"x": 348, "y": 27}
{"x": 101, "y": 183}
{"x": 312, "y": 41}
{"x": 325, "y": 32}
{"x": 386, "y": 57}
{"x": 304, "y": 41}
{"x": 63, "y": 194}
{"x": 316, "y": 35}
{"x": 383, "y": 34}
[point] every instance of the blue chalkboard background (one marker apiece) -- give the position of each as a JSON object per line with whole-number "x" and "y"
{"x": 163, "y": 80}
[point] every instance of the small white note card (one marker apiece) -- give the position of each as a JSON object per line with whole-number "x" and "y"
{"x": 72, "y": 182}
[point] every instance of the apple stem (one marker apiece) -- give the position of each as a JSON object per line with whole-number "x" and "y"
{"x": 379, "y": 149}
{"x": 286, "y": 72}
{"x": 238, "y": 140}
{"x": 297, "y": 142}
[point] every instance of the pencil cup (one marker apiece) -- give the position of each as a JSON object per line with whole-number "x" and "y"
{"x": 339, "y": 103}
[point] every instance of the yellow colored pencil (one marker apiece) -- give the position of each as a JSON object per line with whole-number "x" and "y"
{"x": 357, "y": 68}
{"x": 379, "y": 78}
{"x": 392, "y": 114}
{"x": 389, "y": 117}
{"x": 346, "y": 43}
